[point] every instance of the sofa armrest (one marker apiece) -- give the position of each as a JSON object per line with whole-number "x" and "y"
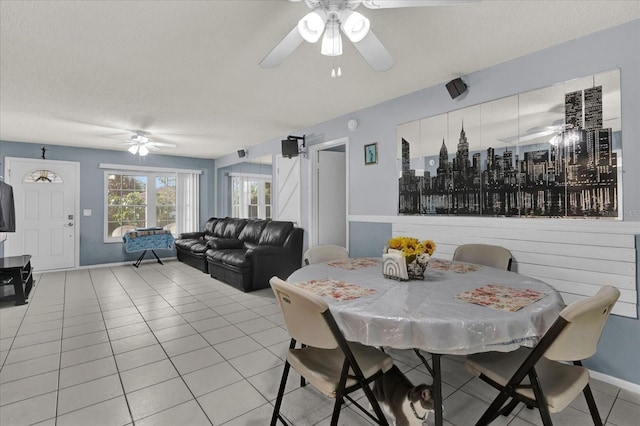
{"x": 225, "y": 243}
{"x": 267, "y": 261}
{"x": 191, "y": 236}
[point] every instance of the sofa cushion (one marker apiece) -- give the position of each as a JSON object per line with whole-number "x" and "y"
{"x": 275, "y": 233}
{"x": 209, "y": 226}
{"x": 199, "y": 247}
{"x": 234, "y": 228}
{"x": 252, "y": 231}
{"x": 187, "y": 243}
{"x": 219, "y": 227}
{"x": 215, "y": 255}
{"x": 235, "y": 258}
{"x": 217, "y": 243}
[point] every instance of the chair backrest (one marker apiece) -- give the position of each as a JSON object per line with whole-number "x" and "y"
{"x": 324, "y": 253}
{"x": 303, "y": 315}
{"x": 586, "y": 319}
{"x": 484, "y": 254}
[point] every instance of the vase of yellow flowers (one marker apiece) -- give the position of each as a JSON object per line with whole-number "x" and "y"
{"x": 406, "y": 258}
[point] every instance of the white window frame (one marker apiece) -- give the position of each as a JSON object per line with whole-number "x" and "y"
{"x": 245, "y": 196}
{"x": 187, "y": 205}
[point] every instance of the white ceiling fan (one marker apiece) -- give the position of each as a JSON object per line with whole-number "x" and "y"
{"x": 141, "y": 144}
{"x": 329, "y": 17}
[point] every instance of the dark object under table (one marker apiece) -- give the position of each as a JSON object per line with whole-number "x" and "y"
{"x": 16, "y": 271}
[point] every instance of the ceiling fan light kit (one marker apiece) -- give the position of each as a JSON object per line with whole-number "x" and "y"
{"x": 140, "y": 144}
{"x": 332, "y": 40}
{"x": 355, "y": 25}
{"x": 312, "y": 26}
{"x": 329, "y": 17}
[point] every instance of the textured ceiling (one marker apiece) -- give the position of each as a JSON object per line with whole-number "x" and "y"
{"x": 87, "y": 73}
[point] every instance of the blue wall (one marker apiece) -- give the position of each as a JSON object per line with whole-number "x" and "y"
{"x": 92, "y": 248}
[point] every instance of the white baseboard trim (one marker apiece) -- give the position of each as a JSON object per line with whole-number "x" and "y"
{"x": 622, "y": 384}
{"x": 105, "y": 265}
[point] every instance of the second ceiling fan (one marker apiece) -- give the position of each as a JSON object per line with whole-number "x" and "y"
{"x": 329, "y": 17}
{"x": 141, "y": 144}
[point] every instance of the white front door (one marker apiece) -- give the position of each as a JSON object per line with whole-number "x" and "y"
{"x": 44, "y": 192}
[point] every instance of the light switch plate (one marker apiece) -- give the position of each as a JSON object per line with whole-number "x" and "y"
{"x": 86, "y": 212}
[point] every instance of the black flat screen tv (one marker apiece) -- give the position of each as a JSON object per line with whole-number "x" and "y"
{"x": 289, "y": 148}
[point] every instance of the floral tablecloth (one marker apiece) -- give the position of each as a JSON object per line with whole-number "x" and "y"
{"x": 355, "y": 263}
{"x": 447, "y": 265}
{"x": 335, "y": 289}
{"x": 501, "y": 297}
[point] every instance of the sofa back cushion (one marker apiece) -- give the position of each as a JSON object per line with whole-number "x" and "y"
{"x": 275, "y": 233}
{"x": 220, "y": 226}
{"x": 252, "y": 230}
{"x": 211, "y": 223}
{"x": 234, "y": 228}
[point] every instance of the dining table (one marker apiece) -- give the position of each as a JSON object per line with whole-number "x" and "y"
{"x": 457, "y": 309}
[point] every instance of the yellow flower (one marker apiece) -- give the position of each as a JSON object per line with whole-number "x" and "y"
{"x": 429, "y": 247}
{"x": 395, "y": 243}
{"x": 411, "y": 247}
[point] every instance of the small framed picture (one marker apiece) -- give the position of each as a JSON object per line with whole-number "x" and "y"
{"x": 371, "y": 154}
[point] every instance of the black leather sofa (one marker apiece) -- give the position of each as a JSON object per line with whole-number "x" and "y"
{"x": 244, "y": 253}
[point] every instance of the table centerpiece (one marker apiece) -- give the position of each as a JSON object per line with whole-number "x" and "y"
{"x": 406, "y": 258}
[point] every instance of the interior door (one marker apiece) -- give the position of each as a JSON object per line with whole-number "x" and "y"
{"x": 332, "y": 201}
{"x": 288, "y": 189}
{"x": 45, "y": 200}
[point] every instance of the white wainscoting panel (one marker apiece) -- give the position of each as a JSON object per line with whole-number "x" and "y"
{"x": 574, "y": 256}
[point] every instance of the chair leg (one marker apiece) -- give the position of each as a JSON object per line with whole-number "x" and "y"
{"x": 510, "y": 406}
{"x": 593, "y": 408}
{"x": 336, "y": 410}
{"x": 591, "y": 402}
{"x": 283, "y": 384}
{"x": 492, "y": 412}
{"x": 340, "y": 393}
{"x": 303, "y": 382}
{"x": 382, "y": 419}
{"x": 543, "y": 408}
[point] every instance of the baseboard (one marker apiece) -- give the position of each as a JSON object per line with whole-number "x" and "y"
{"x": 622, "y": 384}
{"x": 106, "y": 265}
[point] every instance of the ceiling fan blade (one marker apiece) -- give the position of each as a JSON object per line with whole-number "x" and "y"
{"x": 152, "y": 147}
{"x": 389, "y": 4}
{"x": 282, "y": 51}
{"x": 374, "y": 52}
{"x": 168, "y": 145}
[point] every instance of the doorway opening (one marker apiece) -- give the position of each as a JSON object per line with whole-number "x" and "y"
{"x": 330, "y": 193}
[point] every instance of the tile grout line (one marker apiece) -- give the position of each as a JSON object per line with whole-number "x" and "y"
{"x": 24, "y": 315}
{"x": 166, "y": 354}
{"x": 124, "y": 393}
{"x": 211, "y": 345}
{"x": 64, "y": 302}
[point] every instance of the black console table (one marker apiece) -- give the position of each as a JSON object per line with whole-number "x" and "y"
{"x": 16, "y": 271}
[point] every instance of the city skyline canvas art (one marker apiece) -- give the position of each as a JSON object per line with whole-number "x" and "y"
{"x": 551, "y": 152}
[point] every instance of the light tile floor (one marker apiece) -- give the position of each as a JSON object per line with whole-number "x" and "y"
{"x": 168, "y": 345}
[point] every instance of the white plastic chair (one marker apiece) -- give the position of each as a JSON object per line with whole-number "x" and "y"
{"x": 324, "y": 253}
{"x": 333, "y": 366}
{"x": 484, "y": 254}
{"x": 539, "y": 377}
